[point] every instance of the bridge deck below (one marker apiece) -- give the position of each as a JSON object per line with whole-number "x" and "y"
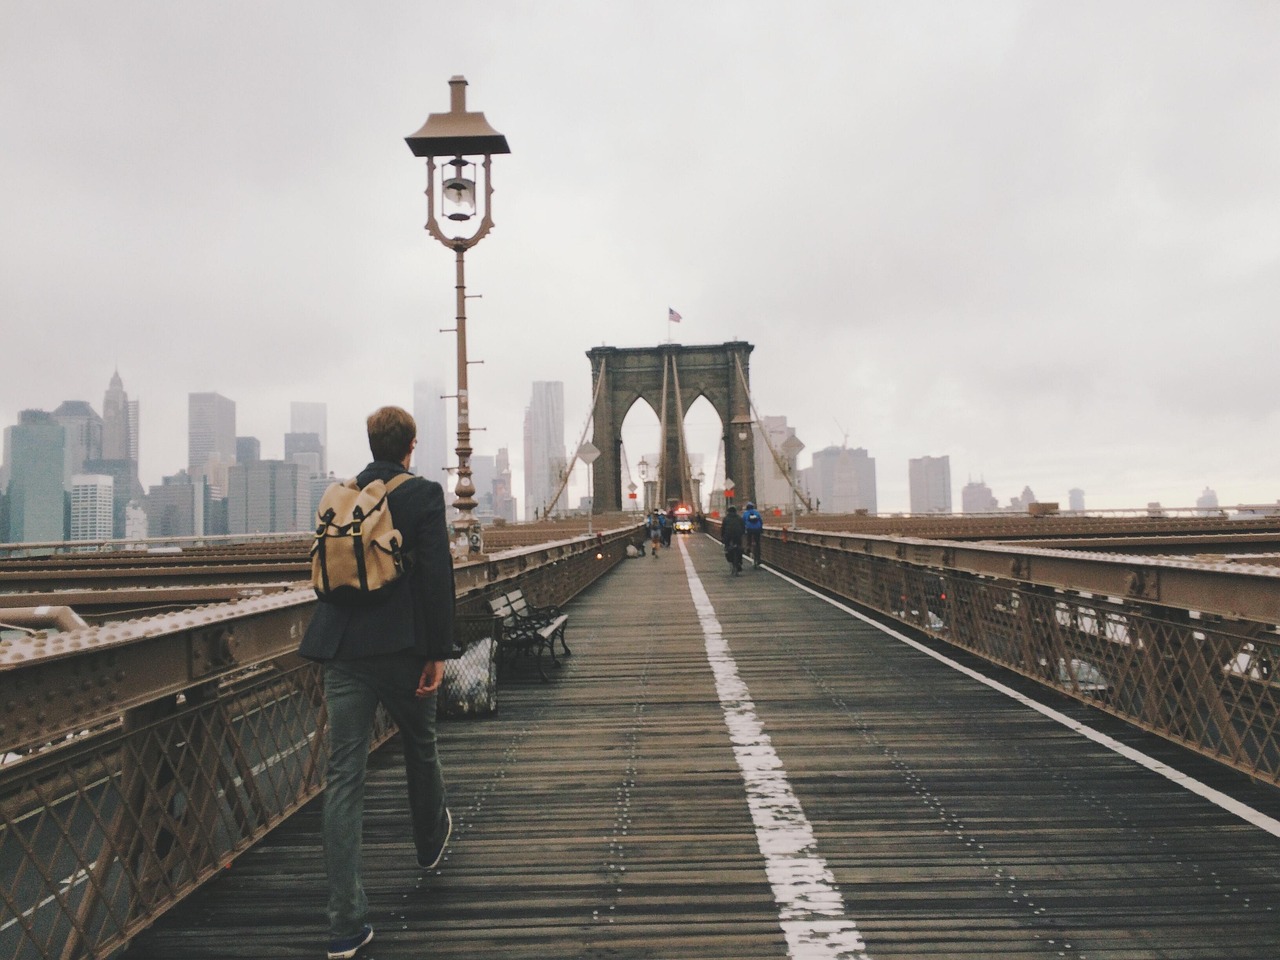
{"x": 605, "y": 814}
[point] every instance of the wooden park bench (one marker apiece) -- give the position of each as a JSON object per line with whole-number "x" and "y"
{"x": 529, "y": 630}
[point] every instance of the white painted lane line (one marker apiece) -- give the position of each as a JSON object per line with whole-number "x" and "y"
{"x": 1217, "y": 797}
{"x": 811, "y": 909}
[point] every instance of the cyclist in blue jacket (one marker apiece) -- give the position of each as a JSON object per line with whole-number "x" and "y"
{"x": 752, "y": 524}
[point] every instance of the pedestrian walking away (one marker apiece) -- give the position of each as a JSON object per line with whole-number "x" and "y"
{"x": 386, "y": 647}
{"x": 731, "y": 536}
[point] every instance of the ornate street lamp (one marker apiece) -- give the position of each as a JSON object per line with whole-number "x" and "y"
{"x": 464, "y": 138}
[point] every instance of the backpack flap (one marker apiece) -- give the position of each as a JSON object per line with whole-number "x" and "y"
{"x": 357, "y": 551}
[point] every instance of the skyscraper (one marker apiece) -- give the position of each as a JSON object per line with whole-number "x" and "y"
{"x": 930, "y": 479}
{"x": 262, "y": 497}
{"x": 306, "y": 417}
{"x": 544, "y": 456}
{"x": 504, "y": 503}
{"x": 976, "y": 497}
{"x": 773, "y": 488}
{"x": 211, "y": 437}
{"x": 124, "y": 485}
{"x": 91, "y": 507}
{"x": 307, "y": 452}
{"x": 119, "y": 423}
{"x": 432, "y": 454}
{"x": 248, "y": 449}
{"x": 83, "y": 435}
{"x": 175, "y": 508}
{"x": 1075, "y": 499}
{"x": 296, "y": 445}
{"x": 842, "y": 480}
{"x": 118, "y": 451}
{"x": 37, "y": 498}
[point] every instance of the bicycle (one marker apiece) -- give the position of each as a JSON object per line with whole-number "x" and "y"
{"x": 733, "y": 553}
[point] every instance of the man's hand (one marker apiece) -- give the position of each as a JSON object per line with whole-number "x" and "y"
{"x": 429, "y": 682}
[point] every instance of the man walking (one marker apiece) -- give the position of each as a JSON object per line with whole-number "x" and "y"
{"x": 389, "y": 650}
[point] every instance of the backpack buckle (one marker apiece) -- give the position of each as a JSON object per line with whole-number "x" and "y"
{"x": 355, "y": 528}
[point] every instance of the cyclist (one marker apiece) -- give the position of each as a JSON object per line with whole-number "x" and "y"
{"x": 731, "y": 537}
{"x": 753, "y": 523}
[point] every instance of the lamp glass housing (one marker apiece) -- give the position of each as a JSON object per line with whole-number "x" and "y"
{"x": 459, "y": 191}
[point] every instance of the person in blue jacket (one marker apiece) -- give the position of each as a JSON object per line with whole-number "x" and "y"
{"x": 752, "y": 524}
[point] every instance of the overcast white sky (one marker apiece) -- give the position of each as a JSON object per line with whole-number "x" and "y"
{"x": 1042, "y": 238}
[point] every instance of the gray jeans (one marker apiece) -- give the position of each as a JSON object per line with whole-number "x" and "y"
{"x": 352, "y": 691}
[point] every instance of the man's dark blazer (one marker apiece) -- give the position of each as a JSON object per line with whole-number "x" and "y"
{"x": 417, "y": 613}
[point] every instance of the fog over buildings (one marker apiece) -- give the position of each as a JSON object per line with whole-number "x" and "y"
{"x": 1026, "y": 234}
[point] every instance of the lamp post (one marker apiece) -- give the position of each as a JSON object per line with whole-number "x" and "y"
{"x": 644, "y": 481}
{"x": 588, "y": 453}
{"x": 451, "y": 194}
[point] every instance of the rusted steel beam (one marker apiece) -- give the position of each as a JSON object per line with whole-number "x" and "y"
{"x": 1022, "y": 526}
{"x": 1174, "y": 543}
{"x": 86, "y": 602}
{"x": 106, "y": 577}
{"x": 62, "y": 683}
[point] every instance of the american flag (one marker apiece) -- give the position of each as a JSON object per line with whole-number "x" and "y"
{"x": 672, "y": 316}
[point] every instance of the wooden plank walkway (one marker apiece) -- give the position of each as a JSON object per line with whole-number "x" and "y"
{"x": 604, "y": 815}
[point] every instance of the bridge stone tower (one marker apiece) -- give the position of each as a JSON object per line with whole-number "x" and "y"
{"x": 680, "y": 375}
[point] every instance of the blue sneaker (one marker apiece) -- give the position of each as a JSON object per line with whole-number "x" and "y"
{"x": 431, "y": 859}
{"x": 344, "y": 948}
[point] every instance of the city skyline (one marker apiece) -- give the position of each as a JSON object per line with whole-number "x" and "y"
{"x": 314, "y": 413}
{"x": 1038, "y": 238}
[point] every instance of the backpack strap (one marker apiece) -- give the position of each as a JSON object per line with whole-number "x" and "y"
{"x": 398, "y": 480}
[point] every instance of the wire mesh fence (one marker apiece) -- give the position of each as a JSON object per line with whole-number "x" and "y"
{"x": 99, "y": 838}
{"x": 470, "y": 685}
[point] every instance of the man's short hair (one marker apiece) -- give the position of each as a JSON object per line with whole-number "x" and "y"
{"x": 391, "y": 433}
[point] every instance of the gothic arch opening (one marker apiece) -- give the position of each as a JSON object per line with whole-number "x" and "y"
{"x": 704, "y": 437}
{"x": 641, "y": 435}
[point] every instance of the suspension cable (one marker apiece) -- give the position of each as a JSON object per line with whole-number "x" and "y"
{"x": 591, "y": 415}
{"x": 777, "y": 459}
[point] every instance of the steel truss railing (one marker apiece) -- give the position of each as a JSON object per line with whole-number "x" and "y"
{"x": 1184, "y": 649}
{"x": 138, "y": 759}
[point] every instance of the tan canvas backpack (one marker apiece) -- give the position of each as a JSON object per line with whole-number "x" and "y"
{"x": 357, "y": 552}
